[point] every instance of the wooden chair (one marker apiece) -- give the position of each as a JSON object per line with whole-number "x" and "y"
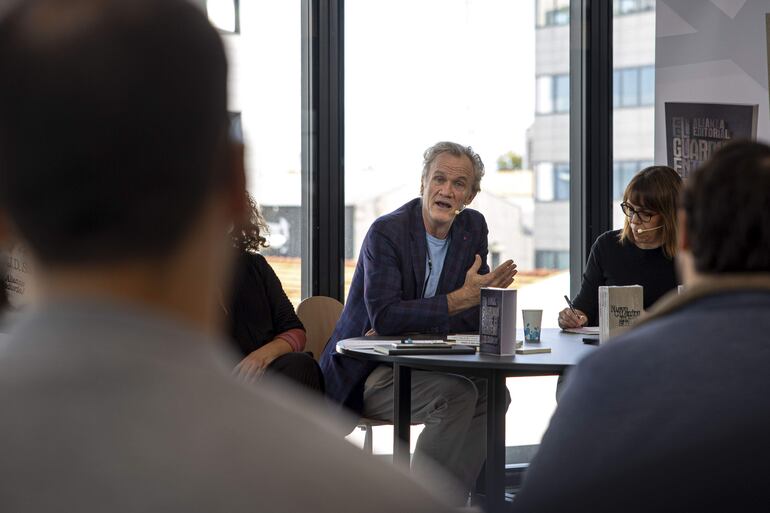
{"x": 319, "y": 315}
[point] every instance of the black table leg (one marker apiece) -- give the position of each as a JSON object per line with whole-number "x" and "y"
{"x": 402, "y": 413}
{"x": 495, "y": 465}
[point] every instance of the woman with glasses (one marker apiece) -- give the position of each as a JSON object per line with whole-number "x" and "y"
{"x": 642, "y": 253}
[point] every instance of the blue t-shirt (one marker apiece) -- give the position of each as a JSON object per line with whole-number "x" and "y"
{"x": 437, "y": 249}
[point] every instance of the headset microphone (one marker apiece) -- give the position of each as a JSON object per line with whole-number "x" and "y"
{"x": 644, "y": 230}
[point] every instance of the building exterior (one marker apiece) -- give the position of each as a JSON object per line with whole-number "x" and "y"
{"x": 633, "y": 100}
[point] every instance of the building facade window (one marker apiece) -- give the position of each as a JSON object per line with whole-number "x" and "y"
{"x": 552, "y": 181}
{"x": 548, "y": 259}
{"x": 561, "y": 93}
{"x": 633, "y": 87}
{"x": 622, "y": 173}
{"x": 647, "y": 85}
{"x": 561, "y": 182}
{"x": 622, "y": 7}
{"x": 544, "y": 95}
{"x": 551, "y": 13}
{"x": 552, "y": 94}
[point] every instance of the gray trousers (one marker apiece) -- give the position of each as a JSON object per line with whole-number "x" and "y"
{"x": 453, "y": 409}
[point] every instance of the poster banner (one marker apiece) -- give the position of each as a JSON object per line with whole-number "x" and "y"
{"x": 711, "y": 52}
{"x": 694, "y": 131}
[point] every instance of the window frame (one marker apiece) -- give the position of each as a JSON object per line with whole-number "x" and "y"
{"x": 591, "y": 114}
{"x": 591, "y": 122}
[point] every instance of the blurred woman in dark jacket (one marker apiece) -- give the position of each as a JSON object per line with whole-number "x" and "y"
{"x": 264, "y": 328}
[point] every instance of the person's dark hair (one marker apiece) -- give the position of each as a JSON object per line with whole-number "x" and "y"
{"x": 250, "y": 236}
{"x": 113, "y": 125}
{"x": 727, "y": 203}
{"x": 655, "y": 188}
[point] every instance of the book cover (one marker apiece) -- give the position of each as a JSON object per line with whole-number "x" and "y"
{"x": 694, "y": 131}
{"x": 497, "y": 323}
{"x": 532, "y": 350}
{"x": 18, "y": 282}
{"x": 619, "y": 308}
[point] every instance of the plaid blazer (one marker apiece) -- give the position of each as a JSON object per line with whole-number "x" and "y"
{"x": 386, "y": 292}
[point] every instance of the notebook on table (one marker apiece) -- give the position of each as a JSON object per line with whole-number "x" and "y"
{"x": 423, "y": 349}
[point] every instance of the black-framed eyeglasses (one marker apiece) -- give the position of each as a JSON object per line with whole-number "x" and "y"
{"x": 629, "y": 211}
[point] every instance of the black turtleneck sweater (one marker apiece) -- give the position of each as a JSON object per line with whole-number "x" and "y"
{"x": 614, "y": 263}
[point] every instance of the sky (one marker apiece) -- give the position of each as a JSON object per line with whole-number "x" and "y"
{"x": 422, "y": 71}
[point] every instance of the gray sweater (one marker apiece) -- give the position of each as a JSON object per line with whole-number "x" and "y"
{"x": 105, "y": 407}
{"x": 672, "y": 416}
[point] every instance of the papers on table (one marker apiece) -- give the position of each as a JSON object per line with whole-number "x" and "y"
{"x": 359, "y": 344}
{"x": 585, "y": 330}
{"x": 466, "y": 340}
{"x": 370, "y": 343}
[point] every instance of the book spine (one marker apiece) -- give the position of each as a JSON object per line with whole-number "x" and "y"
{"x": 604, "y": 320}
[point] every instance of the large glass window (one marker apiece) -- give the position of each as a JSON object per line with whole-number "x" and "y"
{"x": 476, "y": 72}
{"x": 633, "y": 94}
{"x": 265, "y": 98}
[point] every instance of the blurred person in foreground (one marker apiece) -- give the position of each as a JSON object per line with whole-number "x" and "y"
{"x": 115, "y": 390}
{"x": 420, "y": 270}
{"x": 674, "y": 415}
{"x": 641, "y": 253}
{"x": 264, "y": 328}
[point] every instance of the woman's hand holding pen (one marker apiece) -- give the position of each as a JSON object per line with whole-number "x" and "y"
{"x": 569, "y": 318}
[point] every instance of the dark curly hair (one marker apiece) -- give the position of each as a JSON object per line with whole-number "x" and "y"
{"x": 250, "y": 235}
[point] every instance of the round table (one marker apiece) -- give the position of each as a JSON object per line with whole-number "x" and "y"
{"x": 566, "y": 350}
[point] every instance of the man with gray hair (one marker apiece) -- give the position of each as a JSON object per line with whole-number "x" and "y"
{"x": 421, "y": 269}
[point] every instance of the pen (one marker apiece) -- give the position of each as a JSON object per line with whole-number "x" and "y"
{"x": 569, "y": 303}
